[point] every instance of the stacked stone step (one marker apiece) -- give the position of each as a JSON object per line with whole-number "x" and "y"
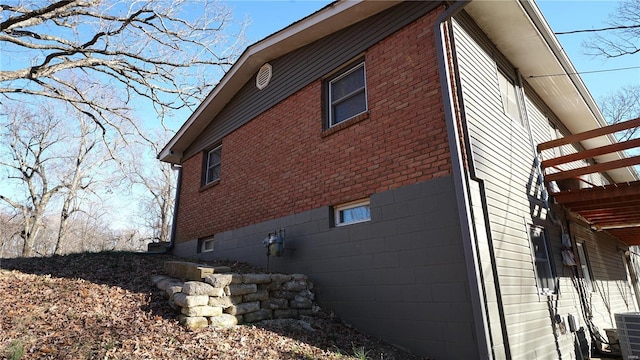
{"x": 192, "y": 271}
{"x": 224, "y": 300}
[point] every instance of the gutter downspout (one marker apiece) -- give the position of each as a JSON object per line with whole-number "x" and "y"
{"x": 481, "y": 324}
{"x": 176, "y": 203}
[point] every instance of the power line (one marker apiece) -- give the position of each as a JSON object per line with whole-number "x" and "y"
{"x": 583, "y": 72}
{"x": 596, "y": 30}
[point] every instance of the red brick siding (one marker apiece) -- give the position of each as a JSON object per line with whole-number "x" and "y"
{"x": 280, "y": 163}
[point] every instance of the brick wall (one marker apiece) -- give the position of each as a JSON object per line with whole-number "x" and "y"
{"x": 281, "y": 162}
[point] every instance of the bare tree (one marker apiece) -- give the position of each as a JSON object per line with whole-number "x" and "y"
{"x": 51, "y": 164}
{"x": 155, "y": 183}
{"x": 90, "y": 228}
{"x": 30, "y": 138}
{"x": 153, "y": 50}
{"x": 126, "y": 240}
{"x": 109, "y": 61}
{"x": 158, "y": 205}
{"x": 622, "y": 105}
{"x": 10, "y": 229}
{"x": 80, "y": 176}
{"x": 622, "y": 37}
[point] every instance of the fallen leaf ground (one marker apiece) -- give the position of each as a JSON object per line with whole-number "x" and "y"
{"x": 103, "y": 306}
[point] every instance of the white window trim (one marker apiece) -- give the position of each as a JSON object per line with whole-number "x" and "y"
{"x": 584, "y": 266}
{"x": 542, "y": 290}
{"x": 348, "y": 206}
{"x": 516, "y": 93}
{"x": 342, "y": 75}
{"x": 204, "y": 243}
{"x": 209, "y": 166}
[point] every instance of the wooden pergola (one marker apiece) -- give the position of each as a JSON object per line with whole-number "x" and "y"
{"x": 615, "y": 207}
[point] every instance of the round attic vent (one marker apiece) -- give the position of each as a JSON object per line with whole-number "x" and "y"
{"x": 263, "y": 77}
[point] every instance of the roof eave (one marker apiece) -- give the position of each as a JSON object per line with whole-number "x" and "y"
{"x": 330, "y": 19}
{"x": 525, "y": 38}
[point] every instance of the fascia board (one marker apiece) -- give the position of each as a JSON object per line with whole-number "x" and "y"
{"x": 332, "y": 18}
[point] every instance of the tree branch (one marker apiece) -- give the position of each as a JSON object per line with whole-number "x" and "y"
{"x": 33, "y": 14}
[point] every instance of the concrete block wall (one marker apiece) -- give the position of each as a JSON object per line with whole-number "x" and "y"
{"x": 401, "y": 276}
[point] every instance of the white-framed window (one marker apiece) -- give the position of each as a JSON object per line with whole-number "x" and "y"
{"x": 206, "y": 245}
{"x": 213, "y": 165}
{"x": 347, "y": 94}
{"x": 584, "y": 266}
{"x": 545, "y": 276}
{"x": 509, "y": 96}
{"x": 352, "y": 212}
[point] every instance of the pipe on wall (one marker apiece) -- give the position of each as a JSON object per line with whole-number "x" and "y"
{"x": 176, "y": 203}
{"x": 481, "y": 324}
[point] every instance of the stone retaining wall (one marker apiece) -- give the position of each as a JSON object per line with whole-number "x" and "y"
{"x": 225, "y": 300}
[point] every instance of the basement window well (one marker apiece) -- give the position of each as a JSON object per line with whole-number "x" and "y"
{"x": 205, "y": 245}
{"x": 352, "y": 213}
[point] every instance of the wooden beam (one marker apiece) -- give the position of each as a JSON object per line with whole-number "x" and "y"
{"x": 616, "y": 224}
{"x": 606, "y": 130}
{"x": 631, "y": 218}
{"x": 600, "y": 167}
{"x": 630, "y": 235}
{"x": 605, "y": 192}
{"x": 611, "y": 213}
{"x": 581, "y": 206}
{"x": 588, "y": 154}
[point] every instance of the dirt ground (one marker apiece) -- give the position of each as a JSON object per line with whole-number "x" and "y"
{"x": 104, "y": 306}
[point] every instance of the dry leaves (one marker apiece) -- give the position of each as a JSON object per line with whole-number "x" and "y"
{"x": 103, "y": 306}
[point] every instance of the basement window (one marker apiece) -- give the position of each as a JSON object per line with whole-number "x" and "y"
{"x": 352, "y": 212}
{"x": 205, "y": 245}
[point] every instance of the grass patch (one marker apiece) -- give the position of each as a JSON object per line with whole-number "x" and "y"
{"x": 15, "y": 351}
{"x": 361, "y": 353}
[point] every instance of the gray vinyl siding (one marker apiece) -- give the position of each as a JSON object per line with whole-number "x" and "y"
{"x": 542, "y": 122}
{"x": 301, "y": 67}
{"x": 485, "y": 256}
{"x": 503, "y": 159}
{"x": 401, "y": 276}
{"x": 611, "y": 289}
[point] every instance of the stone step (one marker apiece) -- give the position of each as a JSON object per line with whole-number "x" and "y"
{"x": 192, "y": 271}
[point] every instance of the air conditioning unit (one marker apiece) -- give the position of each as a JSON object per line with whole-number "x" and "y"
{"x": 628, "y": 329}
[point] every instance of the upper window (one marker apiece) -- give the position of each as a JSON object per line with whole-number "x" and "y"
{"x": 509, "y": 95}
{"x": 544, "y": 270}
{"x": 353, "y": 212}
{"x": 347, "y": 95}
{"x": 213, "y": 165}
